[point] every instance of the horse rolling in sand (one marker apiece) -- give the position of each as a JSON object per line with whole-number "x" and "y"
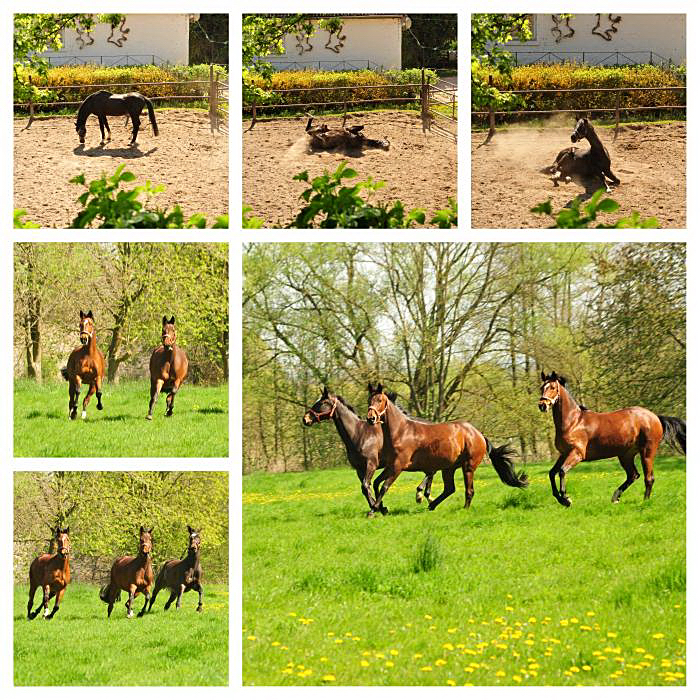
{"x": 85, "y": 364}
{"x": 586, "y": 436}
{"x": 593, "y": 162}
{"x": 168, "y": 368}
{"x": 327, "y": 138}
{"x": 131, "y": 574}
{"x": 181, "y": 575}
{"x": 51, "y": 573}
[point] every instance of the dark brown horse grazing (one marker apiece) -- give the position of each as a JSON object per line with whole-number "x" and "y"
{"x": 181, "y": 575}
{"x": 586, "y": 436}
{"x": 85, "y": 364}
{"x": 413, "y": 445}
{"x": 168, "y": 368}
{"x": 132, "y": 574}
{"x": 363, "y": 442}
{"x": 51, "y": 573}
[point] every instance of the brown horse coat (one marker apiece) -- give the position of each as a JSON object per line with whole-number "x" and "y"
{"x": 51, "y": 573}
{"x": 168, "y": 368}
{"x": 131, "y": 574}
{"x": 586, "y": 436}
{"x": 86, "y": 364}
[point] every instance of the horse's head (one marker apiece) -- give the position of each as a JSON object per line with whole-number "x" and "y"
{"x": 550, "y": 390}
{"x": 581, "y": 130}
{"x": 62, "y": 541}
{"x": 377, "y": 403}
{"x": 87, "y": 327}
{"x": 168, "y": 335}
{"x": 323, "y": 409}
{"x": 194, "y": 542}
{"x": 81, "y": 131}
{"x": 145, "y": 540}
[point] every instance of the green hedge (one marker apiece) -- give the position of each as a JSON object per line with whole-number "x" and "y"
{"x": 575, "y": 75}
{"x": 308, "y": 80}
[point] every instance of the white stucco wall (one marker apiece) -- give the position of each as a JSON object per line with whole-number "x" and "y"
{"x": 663, "y": 34}
{"x": 375, "y": 39}
{"x": 165, "y": 37}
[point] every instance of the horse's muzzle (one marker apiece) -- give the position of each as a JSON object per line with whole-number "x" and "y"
{"x": 543, "y": 405}
{"x": 307, "y": 419}
{"x": 83, "y": 340}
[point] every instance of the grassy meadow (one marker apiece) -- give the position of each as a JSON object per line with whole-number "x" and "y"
{"x": 198, "y": 427}
{"x": 516, "y": 591}
{"x": 80, "y": 646}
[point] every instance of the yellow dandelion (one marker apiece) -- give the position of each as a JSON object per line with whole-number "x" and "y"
{"x": 366, "y": 653}
{"x": 590, "y": 613}
{"x": 575, "y": 669}
{"x": 329, "y": 678}
{"x": 323, "y": 658}
{"x": 379, "y": 655}
{"x": 639, "y": 650}
{"x": 658, "y": 635}
{"x": 252, "y": 637}
{"x": 418, "y": 655}
{"x": 440, "y": 662}
{"x": 517, "y": 679}
{"x": 451, "y": 681}
{"x": 585, "y": 628}
{"x": 356, "y": 639}
{"x": 428, "y": 617}
{"x": 331, "y": 634}
{"x": 469, "y": 669}
{"x": 509, "y": 608}
{"x": 364, "y": 663}
{"x": 338, "y": 641}
{"x": 612, "y": 635}
{"x": 287, "y": 670}
{"x": 681, "y": 641}
{"x": 394, "y": 652}
{"x": 529, "y": 642}
{"x": 292, "y": 614}
{"x": 501, "y": 646}
{"x": 586, "y": 667}
{"x": 563, "y": 623}
{"x": 451, "y": 630}
{"x": 649, "y": 656}
{"x": 679, "y": 662}
{"x": 426, "y": 668}
{"x": 275, "y": 644}
{"x": 448, "y": 646}
{"x": 500, "y": 673}
{"x": 388, "y": 664}
{"x": 573, "y": 620}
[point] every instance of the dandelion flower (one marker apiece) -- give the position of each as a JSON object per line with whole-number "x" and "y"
{"x": 426, "y": 668}
{"x": 329, "y": 677}
{"x": 451, "y": 681}
{"x": 658, "y": 635}
{"x": 612, "y": 635}
{"x": 517, "y": 679}
{"x": 364, "y": 663}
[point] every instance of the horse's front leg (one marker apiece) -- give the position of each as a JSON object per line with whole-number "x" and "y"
{"x": 197, "y": 586}
{"x": 156, "y": 386}
{"x": 170, "y": 399}
{"x": 130, "y": 601}
{"x": 74, "y": 395}
{"x": 57, "y": 603}
{"x": 423, "y": 488}
{"x": 136, "y": 122}
{"x": 98, "y": 393}
{"x": 100, "y": 119}
{"x": 109, "y": 133}
{"x": 178, "y": 605}
{"x": 45, "y": 601}
{"x": 146, "y": 597}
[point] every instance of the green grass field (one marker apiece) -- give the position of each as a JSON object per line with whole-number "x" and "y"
{"x": 198, "y": 427}
{"x": 516, "y": 591}
{"x": 80, "y": 646}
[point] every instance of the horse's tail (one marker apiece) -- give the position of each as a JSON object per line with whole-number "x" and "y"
{"x": 151, "y": 115}
{"x": 502, "y": 460}
{"x": 106, "y": 593}
{"x": 674, "y": 431}
{"x": 64, "y": 373}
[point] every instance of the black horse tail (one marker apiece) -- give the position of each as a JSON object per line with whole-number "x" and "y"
{"x": 64, "y": 373}
{"x": 151, "y": 116}
{"x": 502, "y": 460}
{"x": 105, "y": 593}
{"x": 674, "y": 431}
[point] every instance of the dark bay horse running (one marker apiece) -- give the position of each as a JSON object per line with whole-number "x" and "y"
{"x": 85, "y": 364}
{"x": 593, "y": 162}
{"x": 363, "y": 442}
{"x": 106, "y": 104}
{"x": 168, "y": 368}
{"x": 586, "y": 436}
{"x": 413, "y": 445}
{"x": 131, "y": 574}
{"x": 51, "y": 573}
{"x": 181, "y": 575}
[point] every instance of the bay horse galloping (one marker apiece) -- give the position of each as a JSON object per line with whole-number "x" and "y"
{"x": 168, "y": 367}
{"x": 181, "y": 575}
{"x": 363, "y": 442}
{"x": 106, "y": 104}
{"x": 413, "y": 445}
{"x": 586, "y": 436}
{"x": 131, "y": 574}
{"x": 51, "y": 573}
{"x": 85, "y": 364}
{"x": 593, "y": 162}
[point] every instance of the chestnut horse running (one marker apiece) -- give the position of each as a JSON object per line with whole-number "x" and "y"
{"x": 132, "y": 574}
{"x": 181, "y": 575}
{"x": 168, "y": 368}
{"x": 586, "y": 436}
{"x": 413, "y": 445}
{"x": 51, "y": 573}
{"x": 86, "y": 364}
{"x": 363, "y": 442}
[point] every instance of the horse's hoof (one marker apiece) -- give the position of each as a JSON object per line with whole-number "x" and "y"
{"x": 149, "y": 417}
{"x": 100, "y": 407}
{"x": 419, "y": 497}
{"x": 384, "y": 510}
{"x": 83, "y": 415}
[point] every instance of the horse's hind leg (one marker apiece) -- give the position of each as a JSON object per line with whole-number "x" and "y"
{"x": 109, "y": 133}
{"x": 32, "y": 591}
{"x": 57, "y": 603}
{"x": 377, "y": 507}
{"x": 173, "y": 596}
{"x": 448, "y": 480}
{"x": 146, "y": 597}
{"x": 86, "y": 400}
{"x": 198, "y": 587}
{"x": 647, "y": 454}
{"x": 627, "y": 462}
{"x": 156, "y": 386}
{"x": 136, "y": 123}
{"x": 423, "y": 489}
{"x": 74, "y": 395}
{"x": 609, "y": 174}
{"x": 468, "y": 484}
{"x": 170, "y": 399}
{"x": 101, "y": 121}
{"x": 98, "y": 393}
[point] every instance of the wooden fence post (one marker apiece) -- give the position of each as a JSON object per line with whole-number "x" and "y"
{"x": 31, "y": 105}
{"x": 617, "y": 113}
{"x": 213, "y": 93}
{"x": 492, "y": 117}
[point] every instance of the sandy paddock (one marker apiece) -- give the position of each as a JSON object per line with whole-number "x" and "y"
{"x": 419, "y": 169}
{"x": 649, "y": 159}
{"x": 186, "y": 158}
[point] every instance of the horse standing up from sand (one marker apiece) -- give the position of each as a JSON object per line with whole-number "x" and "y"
{"x": 51, "y": 573}
{"x": 106, "y": 104}
{"x": 85, "y": 364}
{"x": 593, "y": 162}
{"x": 168, "y": 368}
{"x": 586, "y": 436}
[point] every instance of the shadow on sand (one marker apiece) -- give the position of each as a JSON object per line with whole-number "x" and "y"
{"x": 122, "y": 153}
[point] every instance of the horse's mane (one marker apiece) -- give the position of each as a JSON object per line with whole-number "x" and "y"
{"x": 346, "y": 404}
{"x": 563, "y": 381}
{"x": 391, "y": 395}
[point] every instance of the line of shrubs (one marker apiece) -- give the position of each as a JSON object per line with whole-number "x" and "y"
{"x": 307, "y": 80}
{"x": 577, "y": 76}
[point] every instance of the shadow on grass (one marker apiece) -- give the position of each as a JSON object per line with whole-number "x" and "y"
{"x": 207, "y": 411}
{"x": 51, "y": 415}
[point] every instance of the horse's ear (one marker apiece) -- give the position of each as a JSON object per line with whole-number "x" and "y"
{"x": 562, "y": 380}
{"x": 66, "y": 531}
{"x": 89, "y": 314}
{"x": 172, "y": 320}
{"x": 380, "y": 388}
{"x": 391, "y": 395}
{"x": 82, "y": 315}
{"x": 189, "y": 529}
{"x": 142, "y": 529}
{"x": 370, "y": 389}
{"x": 57, "y": 531}
{"x": 165, "y": 320}
{"x": 543, "y": 376}
{"x": 324, "y": 395}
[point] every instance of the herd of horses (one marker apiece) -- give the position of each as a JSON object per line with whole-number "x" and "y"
{"x": 134, "y": 574}
{"x": 392, "y": 441}
{"x": 86, "y": 365}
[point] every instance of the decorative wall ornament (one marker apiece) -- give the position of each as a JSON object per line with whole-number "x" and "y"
{"x": 341, "y": 39}
{"x": 123, "y": 30}
{"x": 303, "y": 42}
{"x": 560, "y": 22}
{"x": 607, "y": 34}
{"x": 83, "y": 36}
